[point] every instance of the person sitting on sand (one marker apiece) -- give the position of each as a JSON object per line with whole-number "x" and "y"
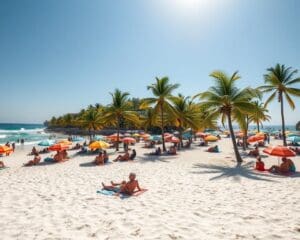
{"x": 33, "y": 151}
{"x": 286, "y": 166}
{"x": 187, "y": 144}
{"x": 65, "y": 155}
{"x": 172, "y": 151}
{"x": 99, "y": 160}
{"x": 124, "y": 187}
{"x": 105, "y": 157}
{"x": 2, "y": 164}
{"x": 35, "y": 160}
{"x": 202, "y": 143}
{"x": 132, "y": 155}
{"x": 124, "y": 157}
{"x": 254, "y": 152}
{"x": 214, "y": 149}
{"x": 58, "y": 157}
{"x": 259, "y": 165}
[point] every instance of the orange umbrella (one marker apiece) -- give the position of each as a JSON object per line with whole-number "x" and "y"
{"x": 58, "y": 147}
{"x": 5, "y": 150}
{"x": 255, "y": 138}
{"x": 211, "y": 138}
{"x": 279, "y": 151}
{"x": 65, "y": 142}
{"x": 129, "y": 140}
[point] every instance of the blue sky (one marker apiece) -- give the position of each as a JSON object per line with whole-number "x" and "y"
{"x": 58, "y": 56}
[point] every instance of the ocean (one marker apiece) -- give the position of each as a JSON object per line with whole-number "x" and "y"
{"x": 14, "y": 132}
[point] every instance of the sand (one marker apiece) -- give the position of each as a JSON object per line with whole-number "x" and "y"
{"x": 195, "y": 195}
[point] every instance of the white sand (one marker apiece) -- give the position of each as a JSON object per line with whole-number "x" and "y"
{"x": 195, "y": 195}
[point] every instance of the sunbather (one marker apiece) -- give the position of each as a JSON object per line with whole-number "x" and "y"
{"x": 214, "y": 149}
{"x": 254, "y": 152}
{"x": 99, "y": 160}
{"x": 33, "y": 151}
{"x": 58, "y": 157}
{"x": 65, "y": 155}
{"x": 132, "y": 155}
{"x": 124, "y": 157}
{"x": 124, "y": 187}
{"x": 157, "y": 152}
{"x": 35, "y": 161}
{"x": 259, "y": 165}
{"x": 105, "y": 157}
{"x": 2, "y": 164}
{"x": 286, "y": 166}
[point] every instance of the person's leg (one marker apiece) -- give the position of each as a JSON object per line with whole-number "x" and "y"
{"x": 1, "y": 164}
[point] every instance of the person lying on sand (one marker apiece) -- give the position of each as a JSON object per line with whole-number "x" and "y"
{"x": 45, "y": 150}
{"x": 254, "y": 152}
{"x": 2, "y": 164}
{"x": 99, "y": 160}
{"x": 124, "y": 187}
{"x": 35, "y": 161}
{"x": 214, "y": 149}
{"x": 124, "y": 157}
{"x": 286, "y": 166}
{"x": 259, "y": 165}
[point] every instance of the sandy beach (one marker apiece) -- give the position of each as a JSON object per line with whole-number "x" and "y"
{"x": 194, "y": 195}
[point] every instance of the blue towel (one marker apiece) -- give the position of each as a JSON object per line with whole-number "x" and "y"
{"x": 48, "y": 159}
{"x": 106, "y": 192}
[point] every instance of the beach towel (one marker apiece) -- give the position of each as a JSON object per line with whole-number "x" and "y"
{"x": 48, "y": 160}
{"x": 122, "y": 196}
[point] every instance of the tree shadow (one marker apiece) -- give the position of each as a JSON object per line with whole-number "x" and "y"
{"x": 154, "y": 158}
{"x": 236, "y": 172}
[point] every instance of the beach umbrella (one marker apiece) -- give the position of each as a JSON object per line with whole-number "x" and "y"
{"x": 64, "y": 141}
{"x": 46, "y": 143}
{"x": 154, "y": 138}
{"x": 127, "y": 134}
{"x": 129, "y": 140}
{"x": 5, "y": 150}
{"x": 99, "y": 145}
{"x": 279, "y": 151}
{"x": 99, "y": 138}
{"x": 294, "y": 139}
{"x": 145, "y": 135}
{"x": 58, "y": 147}
{"x": 186, "y": 135}
{"x": 174, "y": 140}
{"x": 255, "y": 138}
{"x": 201, "y": 134}
{"x": 78, "y": 139}
{"x": 211, "y": 138}
{"x": 136, "y": 135}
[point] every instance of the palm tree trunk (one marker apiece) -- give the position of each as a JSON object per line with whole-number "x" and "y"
{"x": 235, "y": 148}
{"x": 258, "y": 130}
{"x": 245, "y": 140}
{"x": 282, "y": 121}
{"x": 180, "y": 137}
{"x": 162, "y": 127}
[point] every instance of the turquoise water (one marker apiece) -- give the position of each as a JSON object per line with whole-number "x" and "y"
{"x": 31, "y": 133}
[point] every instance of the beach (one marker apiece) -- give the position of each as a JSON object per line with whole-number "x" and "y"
{"x": 194, "y": 195}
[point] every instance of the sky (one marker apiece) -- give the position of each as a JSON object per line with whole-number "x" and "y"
{"x": 59, "y": 56}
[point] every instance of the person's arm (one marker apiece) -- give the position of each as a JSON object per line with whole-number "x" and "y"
{"x": 138, "y": 186}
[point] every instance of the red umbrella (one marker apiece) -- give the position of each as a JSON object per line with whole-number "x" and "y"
{"x": 279, "y": 151}
{"x": 255, "y": 138}
{"x": 58, "y": 147}
{"x": 129, "y": 140}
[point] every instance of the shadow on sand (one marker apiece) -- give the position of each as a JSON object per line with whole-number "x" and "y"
{"x": 236, "y": 172}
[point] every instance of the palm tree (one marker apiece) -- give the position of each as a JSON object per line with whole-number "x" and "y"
{"x": 91, "y": 120}
{"x": 119, "y": 110}
{"x": 187, "y": 115}
{"x": 224, "y": 99}
{"x": 259, "y": 114}
{"x": 149, "y": 119}
{"x": 279, "y": 81}
{"x": 161, "y": 102}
